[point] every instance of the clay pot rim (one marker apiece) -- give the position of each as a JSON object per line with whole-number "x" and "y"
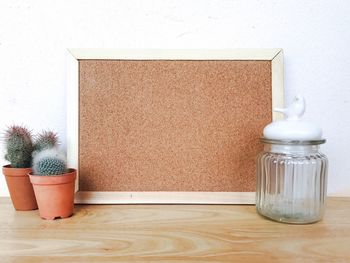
{"x": 70, "y": 171}
{"x": 15, "y": 172}
{"x": 53, "y": 179}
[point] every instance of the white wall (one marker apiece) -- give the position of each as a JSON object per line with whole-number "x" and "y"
{"x": 315, "y": 36}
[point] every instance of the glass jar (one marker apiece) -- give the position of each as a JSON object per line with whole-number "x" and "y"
{"x": 291, "y": 181}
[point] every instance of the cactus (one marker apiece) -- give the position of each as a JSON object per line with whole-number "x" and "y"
{"x": 45, "y": 140}
{"x": 19, "y": 146}
{"x": 49, "y": 162}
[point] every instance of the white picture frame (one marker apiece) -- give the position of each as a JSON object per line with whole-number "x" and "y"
{"x": 74, "y": 55}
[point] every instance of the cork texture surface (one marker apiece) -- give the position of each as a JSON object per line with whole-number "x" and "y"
{"x": 171, "y": 125}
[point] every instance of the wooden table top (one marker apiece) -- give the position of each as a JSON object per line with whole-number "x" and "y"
{"x": 189, "y": 233}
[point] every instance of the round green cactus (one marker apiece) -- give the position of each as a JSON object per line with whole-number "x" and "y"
{"x": 19, "y": 146}
{"x": 49, "y": 162}
{"x": 50, "y": 166}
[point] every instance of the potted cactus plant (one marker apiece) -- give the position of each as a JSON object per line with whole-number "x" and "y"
{"x": 53, "y": 183}
{"x": 19, "y": 148}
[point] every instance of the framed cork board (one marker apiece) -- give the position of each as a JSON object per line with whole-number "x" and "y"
{"x": 169, "y": 126}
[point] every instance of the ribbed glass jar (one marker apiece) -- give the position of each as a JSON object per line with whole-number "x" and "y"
{"x": 291, "y": 181}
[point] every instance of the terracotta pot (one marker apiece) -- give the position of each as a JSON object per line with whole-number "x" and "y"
{"x": 20, "y": 188}
{"x": 54, "y": 194}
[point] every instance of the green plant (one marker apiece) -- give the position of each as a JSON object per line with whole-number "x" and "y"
{"x": 49, "y": 162}
{"x": 19, "y": 146}
{"x": 45, "y": 140}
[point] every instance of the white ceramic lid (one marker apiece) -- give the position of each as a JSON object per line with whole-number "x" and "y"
{"x": 292, "y": 128}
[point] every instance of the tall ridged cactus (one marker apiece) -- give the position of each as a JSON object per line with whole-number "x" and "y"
{"x": 49, "y": 162}
{"x": 45, "y": 140}
{"x": 19, "y": 146}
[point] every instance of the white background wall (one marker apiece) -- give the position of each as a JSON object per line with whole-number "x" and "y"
{"x": 315, "y": 36}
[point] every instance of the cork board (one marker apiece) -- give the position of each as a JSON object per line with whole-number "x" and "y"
{"x": 171, "y": 125}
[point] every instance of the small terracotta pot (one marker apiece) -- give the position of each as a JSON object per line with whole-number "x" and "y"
{"x": 20, "y": 188}
{"x": 54, "y": 194}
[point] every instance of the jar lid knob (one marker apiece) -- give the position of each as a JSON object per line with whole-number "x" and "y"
{"x": 295, "y": 111}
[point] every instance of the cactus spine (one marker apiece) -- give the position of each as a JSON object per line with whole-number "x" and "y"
{"x": 45, "y": 140}
{"x": 19, "y": 146}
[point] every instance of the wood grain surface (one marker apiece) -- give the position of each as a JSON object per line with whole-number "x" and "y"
{"x": 168, "y": 233}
